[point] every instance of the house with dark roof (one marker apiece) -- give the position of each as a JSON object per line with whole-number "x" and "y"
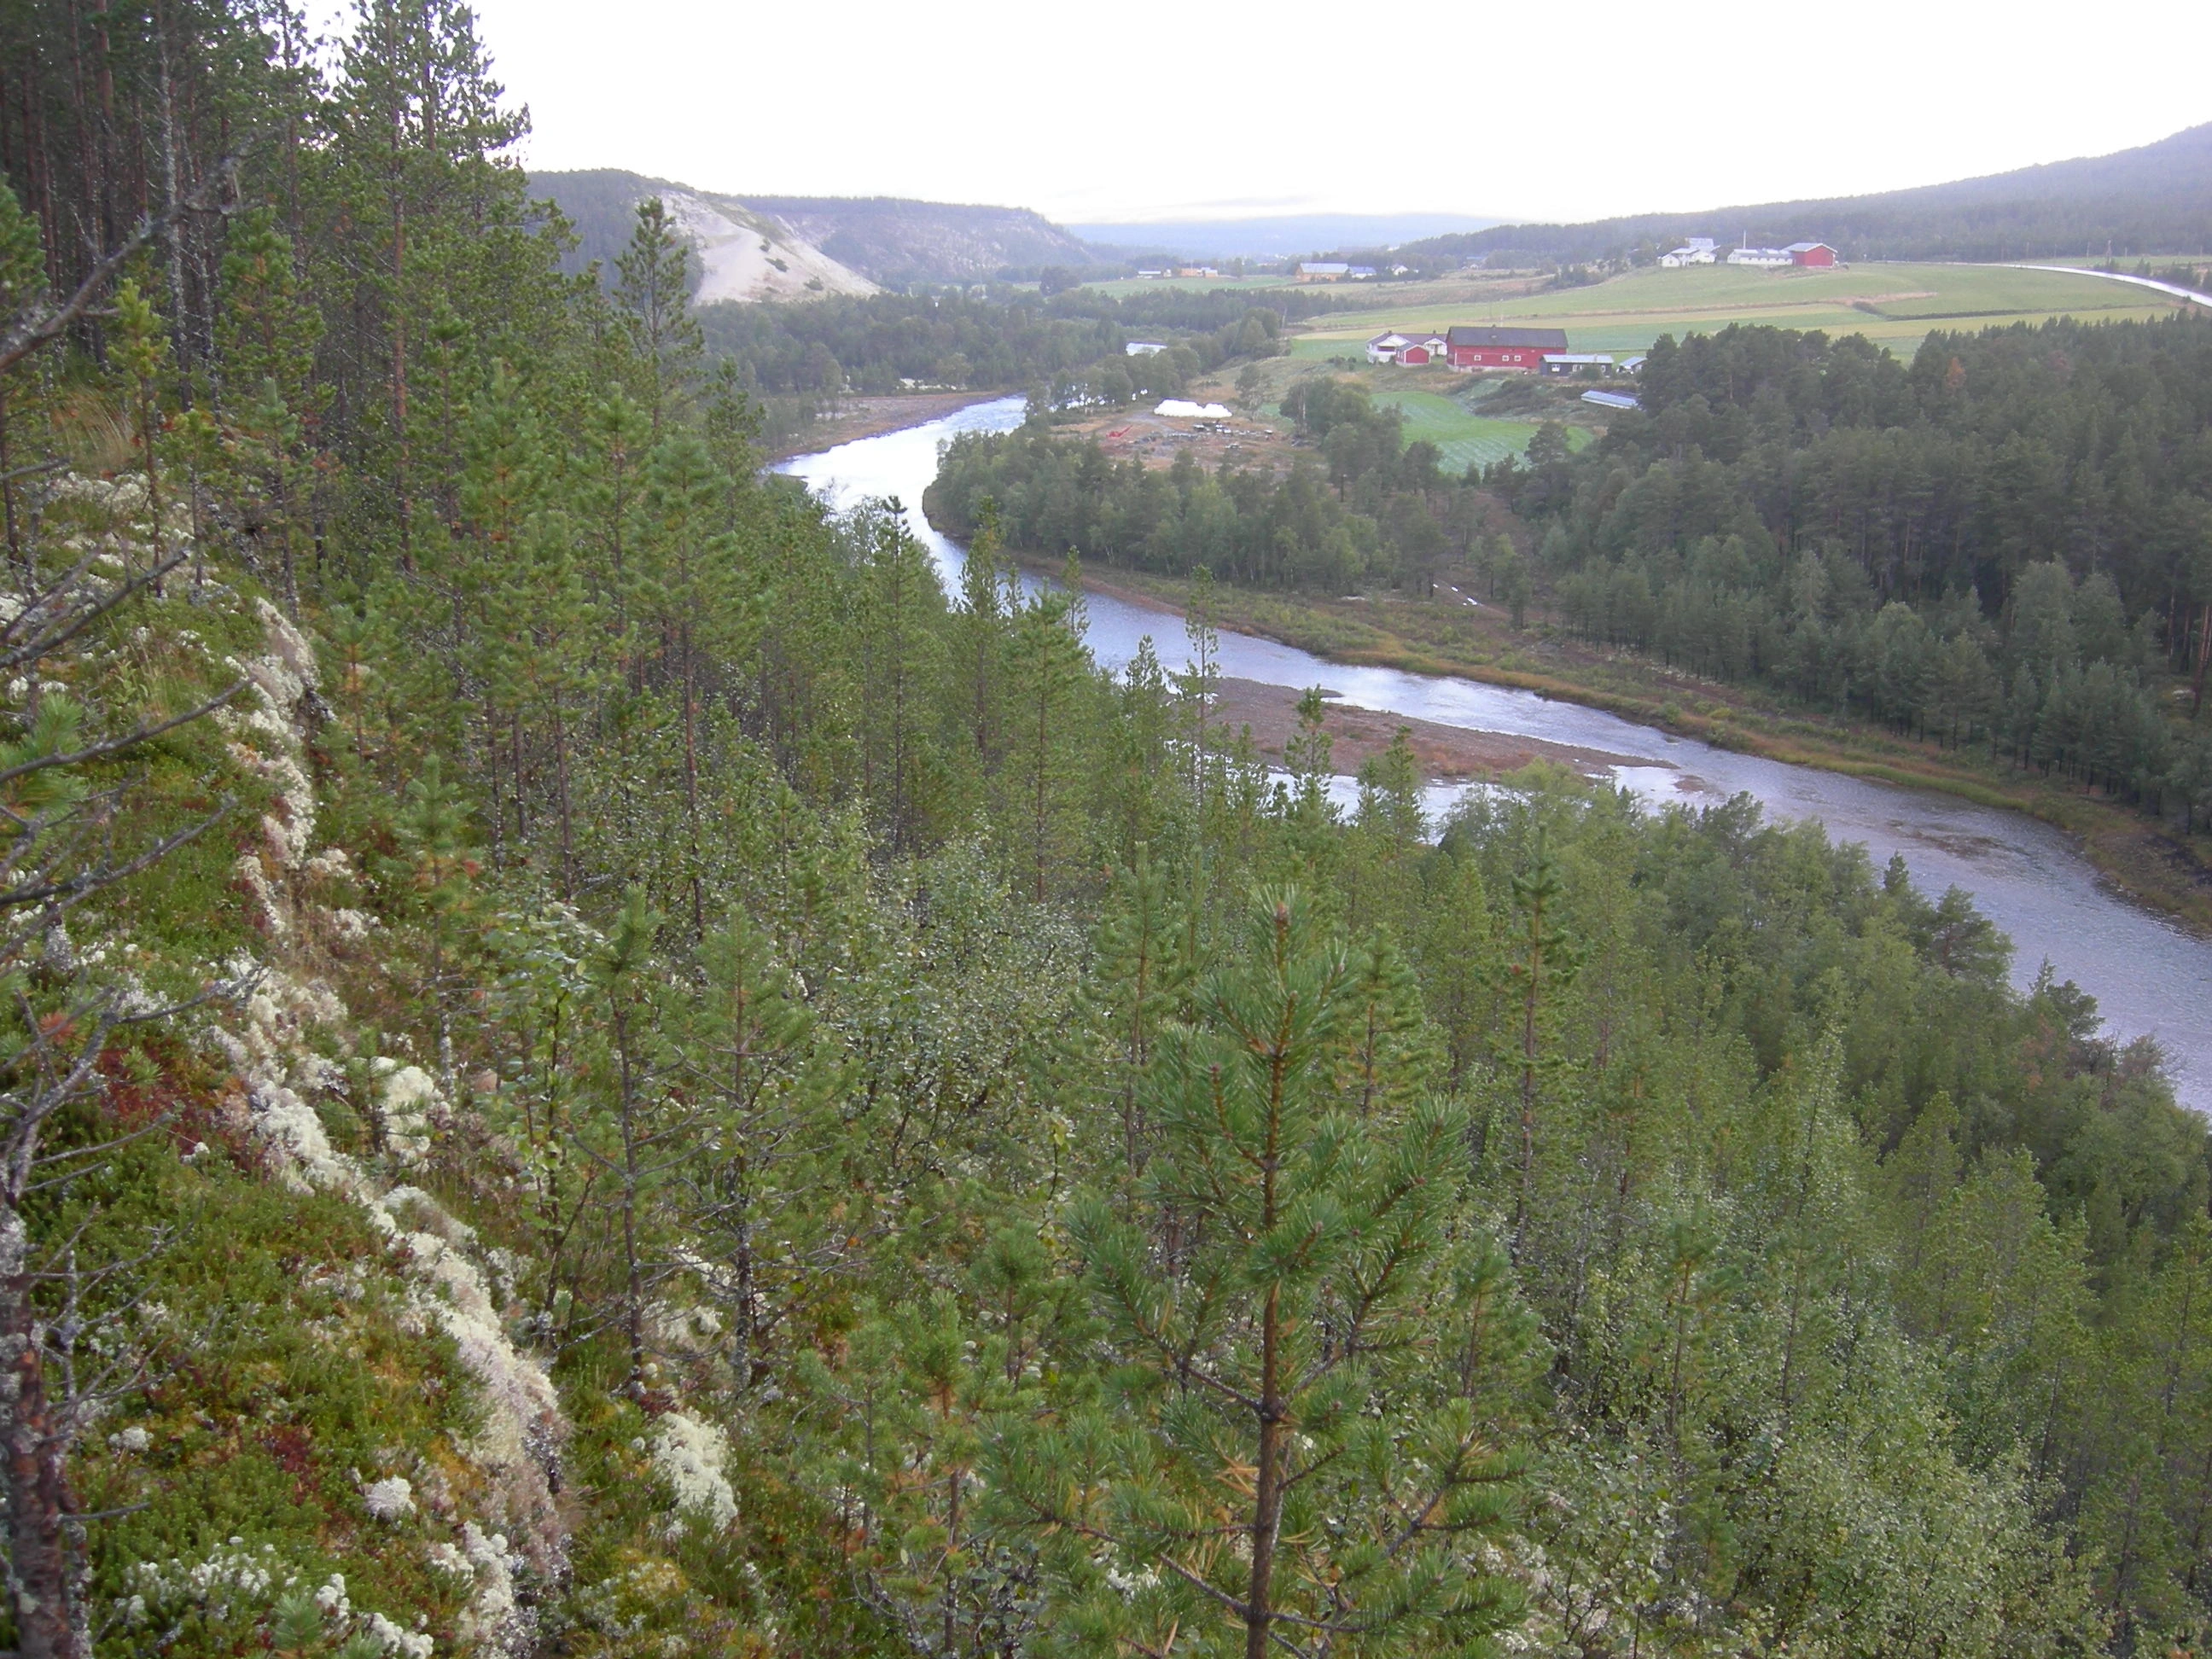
{"x": 1520, "y": 350}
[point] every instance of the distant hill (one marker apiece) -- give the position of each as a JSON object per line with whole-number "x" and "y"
{"x": 896, "y": 241}
{"x": 1279, "y": 237}
{"x": 740, "y": 253}
{"x": 782, "y": 247}
{"x": 2156, "y": 199}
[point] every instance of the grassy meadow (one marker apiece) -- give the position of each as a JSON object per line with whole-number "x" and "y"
{"x": 1122, "y": 288}
{"x": 1894, "y": 305}
{"x": 1465, "y": 437}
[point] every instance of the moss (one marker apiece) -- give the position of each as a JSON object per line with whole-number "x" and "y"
{"x": 285, "y": 1365}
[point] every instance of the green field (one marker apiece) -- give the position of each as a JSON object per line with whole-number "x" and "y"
{"x": 1896, "y": 305}
{"x": 1466, "y": 439}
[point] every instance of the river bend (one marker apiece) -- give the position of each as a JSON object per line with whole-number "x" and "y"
{"x": 2150, "y": 976}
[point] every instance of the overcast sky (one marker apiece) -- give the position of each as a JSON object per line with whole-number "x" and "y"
{"x": 1151, "y": 110}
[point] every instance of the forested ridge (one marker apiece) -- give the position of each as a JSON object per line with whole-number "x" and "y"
{"x": 2153, "y": 199}
{"x": 595, "y": 1065}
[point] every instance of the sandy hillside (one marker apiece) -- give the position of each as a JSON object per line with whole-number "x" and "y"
{"x": 750, "y": 258}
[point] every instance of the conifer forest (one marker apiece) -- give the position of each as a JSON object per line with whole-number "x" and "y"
{"x": 593, "y": 1065}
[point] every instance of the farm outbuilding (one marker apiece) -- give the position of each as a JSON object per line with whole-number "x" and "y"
{"x": 1817, "y": 255}
{"x": 1578, "y": 362}
{"x": 1520, "y": 350}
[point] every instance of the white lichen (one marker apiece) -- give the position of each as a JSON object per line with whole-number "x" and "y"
{"x": 689, "y": 1456}
{"x": 408, "y": 1102}
{"x": 392, "y": 1498}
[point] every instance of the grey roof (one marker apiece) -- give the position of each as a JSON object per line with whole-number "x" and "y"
{"x": 1534, "y": 339}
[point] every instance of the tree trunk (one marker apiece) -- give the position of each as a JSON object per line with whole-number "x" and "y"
{"x": 42, "y": 1578}
{"x": 1266, "y": 1501}
{"x": 634, "y": 1285}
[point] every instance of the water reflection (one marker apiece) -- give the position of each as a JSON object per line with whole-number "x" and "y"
{"x": 2149, "y": 977}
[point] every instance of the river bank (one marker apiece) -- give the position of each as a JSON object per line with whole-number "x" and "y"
{"x": 1470, "y": 672}
{"x": 872, "y": 416}
{"x": 1444, "y": 754}
{"x": 2141, "y": 857}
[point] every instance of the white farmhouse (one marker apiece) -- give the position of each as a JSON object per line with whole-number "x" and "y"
{"x": 1407, "y": 349}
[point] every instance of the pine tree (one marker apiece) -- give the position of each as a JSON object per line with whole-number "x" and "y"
{"x": 638, "y": 1132}
{"x": 1047, "y": 766}
{"x": 141, "y": 353}
{"x": 1545, "y": 964}
{"x": 1302, "y": 1463}
{"x": 759, "y": 1191}
{"x": 899, "y": 651}
{"x": 431, "y": 826}
{"x": 654, "y": 284}
{"x": 1142, "y": 973}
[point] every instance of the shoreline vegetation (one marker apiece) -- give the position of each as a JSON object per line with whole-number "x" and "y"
{"x": 2138, "y": 858}
{"x": 870, "y": 416}
{"x": 1985, "y": 572}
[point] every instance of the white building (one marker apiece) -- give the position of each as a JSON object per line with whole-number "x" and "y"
{"x": 1144, "y": 348}
{"x": 1767, "y": 258}
{"x": 1181, "y": 408}
{"x": 1698, "y": 250}
{"x": 1408, "y": 351}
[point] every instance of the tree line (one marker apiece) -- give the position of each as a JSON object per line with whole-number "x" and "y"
{"x": 994, "y": 338}
{"x": 2006, "y": 541}
{"x": 1367, "y": 507}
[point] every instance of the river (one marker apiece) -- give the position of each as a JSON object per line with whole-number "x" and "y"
{"x": 2150, "y": 976}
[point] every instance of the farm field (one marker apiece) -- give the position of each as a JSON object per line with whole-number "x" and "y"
{"x": 1122, "y": 288}
{"x": 1464, "y": 438}
{"x": 1894, "y": 305}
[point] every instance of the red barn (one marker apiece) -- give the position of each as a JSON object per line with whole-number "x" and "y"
{"x": 1520, "y": 350}
{"x": 1819, "y": 254}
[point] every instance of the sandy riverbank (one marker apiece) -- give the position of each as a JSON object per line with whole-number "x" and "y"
{"x": 1446, "y": 754}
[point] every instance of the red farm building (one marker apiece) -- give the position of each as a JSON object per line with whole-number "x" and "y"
{"x": 1520, "y": 350}
{"x": 1811, "y": 253}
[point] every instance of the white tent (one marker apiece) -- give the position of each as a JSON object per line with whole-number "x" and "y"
{"x": 1181, "y": 408}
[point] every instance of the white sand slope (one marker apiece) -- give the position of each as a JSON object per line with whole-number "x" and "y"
{"x": 752, "y": 258}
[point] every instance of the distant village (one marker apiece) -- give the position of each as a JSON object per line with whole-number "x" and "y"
{"x": 1705, "y": 250}
{"x": 1698, "y": 250}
